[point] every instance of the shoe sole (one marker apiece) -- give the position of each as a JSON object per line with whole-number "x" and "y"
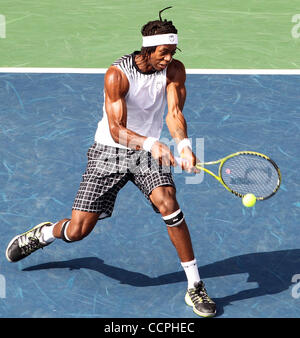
{"x": 201, "y": 314}
{"x": 26, "y": 232}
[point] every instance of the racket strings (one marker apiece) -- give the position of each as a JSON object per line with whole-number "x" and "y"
{"x": 248, "y": 173}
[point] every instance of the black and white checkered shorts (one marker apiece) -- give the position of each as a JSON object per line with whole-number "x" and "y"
{"x": 109, "y": 169}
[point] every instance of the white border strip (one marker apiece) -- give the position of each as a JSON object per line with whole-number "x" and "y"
{"x": 53, "y": 70}
{"x": 188, "y": 71}
{"x": 245, "y": 71}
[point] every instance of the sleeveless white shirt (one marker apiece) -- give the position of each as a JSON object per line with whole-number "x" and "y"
{"x": 145, "y": 101}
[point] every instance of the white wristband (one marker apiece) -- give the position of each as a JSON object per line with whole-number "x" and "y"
{"x": 183, "y": 143}
{"x": 148, "y": 143}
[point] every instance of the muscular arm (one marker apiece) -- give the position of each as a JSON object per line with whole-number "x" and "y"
{"x": 176, "y": 95}
{"x": 116, "y": 87}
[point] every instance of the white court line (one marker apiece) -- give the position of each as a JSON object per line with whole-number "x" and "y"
{"x": 188, "y": 71}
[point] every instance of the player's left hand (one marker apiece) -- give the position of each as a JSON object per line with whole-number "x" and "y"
{"x": 189, "y": 160}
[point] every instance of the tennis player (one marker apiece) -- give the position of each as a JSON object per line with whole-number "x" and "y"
{"x": 137, "y": 88}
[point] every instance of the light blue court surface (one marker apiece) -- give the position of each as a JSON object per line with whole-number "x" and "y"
{"x": 127, "y": 267}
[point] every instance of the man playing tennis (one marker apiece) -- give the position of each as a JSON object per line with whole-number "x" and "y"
{"x": 137, "y": 88}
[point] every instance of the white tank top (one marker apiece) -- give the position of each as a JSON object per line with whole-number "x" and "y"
{"x": 145, "y": 100}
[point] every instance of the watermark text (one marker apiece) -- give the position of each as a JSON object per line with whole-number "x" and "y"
{"x": 2, "y": 286}
{"x": 296, "y": 287}
{"x": 296, "y": 28}
{"x": 2, "y": 26}
{"x": 141, "y": 162}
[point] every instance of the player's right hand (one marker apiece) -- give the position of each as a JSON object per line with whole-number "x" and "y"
{"x": 162, "y": 154}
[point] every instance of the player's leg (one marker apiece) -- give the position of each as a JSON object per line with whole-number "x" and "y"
{"x": 76, "y": 228}
{"x": 158, "y": 186}
{"x": 95, "y": 199}
{"x": 41, "y": 235}
{"x": 164, "y": 199}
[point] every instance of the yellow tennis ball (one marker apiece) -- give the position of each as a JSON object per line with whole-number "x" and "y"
{"x": 249, "y": 200}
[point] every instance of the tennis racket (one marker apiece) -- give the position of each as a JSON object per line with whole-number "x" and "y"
{"x": 245, "y": 172}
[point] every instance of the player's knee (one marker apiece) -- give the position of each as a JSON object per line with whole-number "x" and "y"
{"x": 171, "y": 213}
{"x": 167, "y": 206}
{"x": 75, "y": 232}
{"x": 166, "y": 201}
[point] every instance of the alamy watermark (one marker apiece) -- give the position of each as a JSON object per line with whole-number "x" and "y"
{"x": 2, "y": 26}
{"x": 140, "y": 162}
{"x": 296, "y": 28}
{"x": 296, "y": 287}
{"x": 2, "y": 286}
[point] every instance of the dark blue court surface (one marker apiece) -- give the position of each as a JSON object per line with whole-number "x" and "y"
{"x": 127, "y": 267}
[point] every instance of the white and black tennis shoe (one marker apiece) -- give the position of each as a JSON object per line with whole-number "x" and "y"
{"x": 23, "y": 245}
{"x": 198, "y": 298}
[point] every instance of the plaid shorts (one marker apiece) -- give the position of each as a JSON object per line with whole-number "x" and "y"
{"x": 109, "y": 169}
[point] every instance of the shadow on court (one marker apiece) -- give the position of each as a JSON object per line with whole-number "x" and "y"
{"x": 272, "y": 271}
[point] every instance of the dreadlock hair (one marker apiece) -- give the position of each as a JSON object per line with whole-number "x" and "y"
{"x": 157, "y": 27}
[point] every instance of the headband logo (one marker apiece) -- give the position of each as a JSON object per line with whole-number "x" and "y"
{"x": 172, "y": 38}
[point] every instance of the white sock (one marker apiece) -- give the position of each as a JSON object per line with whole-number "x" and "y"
{"x": 47, "y": 232}
{"x": 192, "y": 273}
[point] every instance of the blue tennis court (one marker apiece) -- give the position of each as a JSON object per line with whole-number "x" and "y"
{"x": 248, "y": 258}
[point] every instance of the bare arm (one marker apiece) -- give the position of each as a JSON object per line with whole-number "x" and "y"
{"x": 116, "y": 87}
{"x": 176, "y": 95}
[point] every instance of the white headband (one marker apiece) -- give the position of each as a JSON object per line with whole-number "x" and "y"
{"x": 160, "y": 39}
